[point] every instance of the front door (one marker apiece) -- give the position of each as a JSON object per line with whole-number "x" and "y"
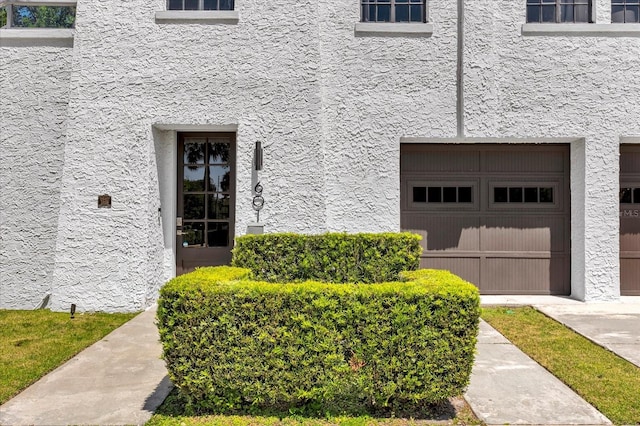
{"x": 206, "y": 199}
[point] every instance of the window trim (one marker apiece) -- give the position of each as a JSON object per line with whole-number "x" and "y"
{"x": 393, "y": 29}
{"x": 230, "y": 17}
{"x": 556, "y": 205}
{"x": 581, "y": 30}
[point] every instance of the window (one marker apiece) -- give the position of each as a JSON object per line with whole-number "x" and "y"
{"x": 629, "y": 195}
{"x": 393, "y": 10}
{"x": 442, "y": 194}
{"x": 518, "y": 194}
{"x": 554, "y": 11}
{"x": 39, "y": 16}
{"x": 623, "y": 11}
{"x": 200, "y": 4}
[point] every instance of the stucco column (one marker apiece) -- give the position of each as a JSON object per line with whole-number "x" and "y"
{"x": 595, "y": 220}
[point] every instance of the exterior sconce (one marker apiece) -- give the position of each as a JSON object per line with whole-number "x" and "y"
{"x": 257, "y": 155}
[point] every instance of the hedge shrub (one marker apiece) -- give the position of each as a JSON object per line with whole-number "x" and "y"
{"x": 232, "y": 344}
{"x": 332, "y": 257}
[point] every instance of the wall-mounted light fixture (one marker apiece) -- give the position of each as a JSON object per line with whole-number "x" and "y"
{"x": 257, "y": 155}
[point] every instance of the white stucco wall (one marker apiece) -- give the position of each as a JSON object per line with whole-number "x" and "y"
{"x": 330, "y": 107}
{"x": 34, "y": 85}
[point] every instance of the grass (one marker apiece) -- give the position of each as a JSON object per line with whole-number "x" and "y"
{"x": 453, "y": 412}
{"x": 32, "y": 343}
{"x": 608, "y": 382}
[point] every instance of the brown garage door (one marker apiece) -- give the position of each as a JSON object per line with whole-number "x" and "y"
{"x": 630, "y": 220}
{"x": 497, "y": 215}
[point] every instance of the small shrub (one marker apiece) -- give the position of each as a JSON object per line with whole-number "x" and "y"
{"x": 233, "y": 344}
{"x": 333, "y": 257}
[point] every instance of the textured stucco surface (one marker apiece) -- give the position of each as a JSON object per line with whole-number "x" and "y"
{"x": 330, "y": 107}
{"x": 34, "y": 84}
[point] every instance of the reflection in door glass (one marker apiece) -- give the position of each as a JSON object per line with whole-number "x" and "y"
{"x": 218, "y": 153}
{"x": 219, "y": 178}
{"x": 193, "y": 234}
{"x": 193, "y": 206}
{"x": 193, "y": 178}
{"x": 218, "y": 206}
{"x": 194, "y": 151}
{"x": 218, "y": 234}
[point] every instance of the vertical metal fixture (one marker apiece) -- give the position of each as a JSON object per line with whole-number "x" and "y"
{"x": 257, "y": 155}
{"x": 73, "y": 310}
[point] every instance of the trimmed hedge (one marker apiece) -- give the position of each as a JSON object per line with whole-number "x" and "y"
{"x": 233, "y": 344}
{"x": 332, "y": 257}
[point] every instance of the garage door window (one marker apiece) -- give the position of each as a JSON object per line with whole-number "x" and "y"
{"x": 629, "y": 195}
{"x": 442, "y": 194}
{"x": 520, "y": 194}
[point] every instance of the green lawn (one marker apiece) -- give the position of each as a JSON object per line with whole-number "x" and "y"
{"x": 32, "y": 343}
{"x": 608, "y": 382}
{"x": 455, "y": 412}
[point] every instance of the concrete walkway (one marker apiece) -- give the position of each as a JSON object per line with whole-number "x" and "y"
{"x": 118, "y": 380}
{"x": 508, "y": 387}
{"x": 122, "y": 380}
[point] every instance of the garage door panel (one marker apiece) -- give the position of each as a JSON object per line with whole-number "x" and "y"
{"x": 629, "y": 220}
{"x": 523, "y": 233}
{"x": 532, "y": 162}
{"x": 441, "y": 161}
{"x": 524, "y": 276}
{"x": 629, "y": 273}
{"x": 630, "y": 234}
{"x": 445, "y": 233}
{"x": 467, "y": 268}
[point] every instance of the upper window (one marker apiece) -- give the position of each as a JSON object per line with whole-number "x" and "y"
{"x": 623, "y": 11}
{"x": 559, "y": 11}
{"x": 19, "y": 16}
{"x": 393, "y": 10}
{"x": 200, "y": 4}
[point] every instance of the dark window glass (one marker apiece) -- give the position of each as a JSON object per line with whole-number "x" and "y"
{"x": 515, "y": 195}
{"x": 218, "y": 206}
{"x": 464, "y": 194}
{"x": 193, "y": 234}
{"x": 402, "y": 13}
{"x": 175, "y": 4}
{"x": 625, "y": 195}
{"x": 449, "y": 194}
{"x": 434, "y": 194}
{"x": 548, "y": 13}
{"x": 193, "y": 206}
{"x": 416, "y": 13}
{"x": 533, "y": 14}
{"x": 384, "y": 13}
{"x": 217, "y": 234}
{"x": 546, "y": 195}
{"x": 191, "y": 4}
{"x": 531, "y": 195}
{"x": 500, "y": 195}
{"x": 419, "y": 194}
{"x": 226, "y": 5}
{"x": 636, "y": 195}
